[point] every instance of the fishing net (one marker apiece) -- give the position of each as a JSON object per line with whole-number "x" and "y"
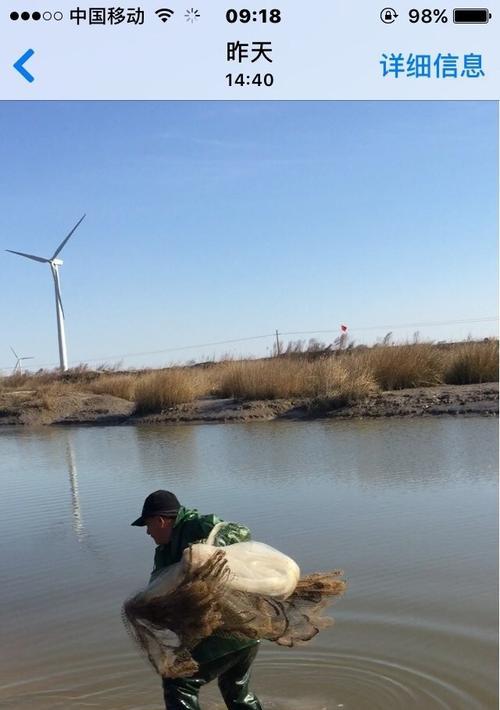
{"x": 247, "y": 589}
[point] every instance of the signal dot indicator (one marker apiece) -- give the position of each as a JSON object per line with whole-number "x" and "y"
{"x": 14, "y": 15}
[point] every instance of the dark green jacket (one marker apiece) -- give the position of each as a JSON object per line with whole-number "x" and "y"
{"x": 190, "y": 527}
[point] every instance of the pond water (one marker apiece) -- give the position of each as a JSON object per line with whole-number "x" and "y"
{"x": 408, "y": 508}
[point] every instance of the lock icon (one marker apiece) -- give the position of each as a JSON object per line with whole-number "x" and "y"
{"x": 388, "y": 15}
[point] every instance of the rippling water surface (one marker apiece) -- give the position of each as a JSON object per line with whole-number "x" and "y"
{"x": 407, "y": 508}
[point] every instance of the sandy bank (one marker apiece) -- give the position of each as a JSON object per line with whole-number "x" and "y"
{"x": 25, "y": 407}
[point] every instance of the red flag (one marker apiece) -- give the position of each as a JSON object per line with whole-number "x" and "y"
{"x": 343, "y": 328}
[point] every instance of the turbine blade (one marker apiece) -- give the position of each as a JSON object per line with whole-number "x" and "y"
{"x": 29, "y": 256}
{"x": 61, "y": 245}
{"x": 15, "y": 354}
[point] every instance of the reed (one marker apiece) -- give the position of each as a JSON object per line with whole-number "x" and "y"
{"x": 283, "y": 378}
{"x": 471, "y": 363}
{"x": 329, "y": 378}
{"x": 116, "y": 385}
{"x": 161, "y": 389}
{"x": 259, "y": 379}
{"x": 12, "y": 382}
{"x": 76, "y": 376}
{"x": 395, "y": 367}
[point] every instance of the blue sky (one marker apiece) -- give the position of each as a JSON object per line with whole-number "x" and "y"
{"x": 213, "y": 221}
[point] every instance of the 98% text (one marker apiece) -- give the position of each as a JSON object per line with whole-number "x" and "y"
{"x": 428, "y": 15}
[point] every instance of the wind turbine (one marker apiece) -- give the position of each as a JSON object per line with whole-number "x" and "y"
{"x": 54, "y": 267}
{"x": 19, "y": 360}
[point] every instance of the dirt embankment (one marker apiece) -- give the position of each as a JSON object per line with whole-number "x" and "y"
{"x": 26, "y": 407}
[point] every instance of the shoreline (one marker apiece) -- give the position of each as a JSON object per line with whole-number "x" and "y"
{"x": 22, "y": 407}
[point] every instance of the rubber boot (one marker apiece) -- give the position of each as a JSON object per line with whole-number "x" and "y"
{"x": 233, "y": 674}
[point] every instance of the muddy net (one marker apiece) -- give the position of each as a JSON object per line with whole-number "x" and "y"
{"x": 247, "y": 590}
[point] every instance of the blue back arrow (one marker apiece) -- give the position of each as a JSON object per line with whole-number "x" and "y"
{"x": 20, "y": 68}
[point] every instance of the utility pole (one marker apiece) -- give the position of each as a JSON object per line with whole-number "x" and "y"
{"x": 278, "y": 352}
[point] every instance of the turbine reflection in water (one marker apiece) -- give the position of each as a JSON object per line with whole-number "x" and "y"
{"x": 78, "y": 526}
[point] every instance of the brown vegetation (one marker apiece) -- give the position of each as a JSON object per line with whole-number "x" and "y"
{"x": 329, "y": 378}
{"x": 123, "y": 386}
{"x": 161, "y": 389}
{"x": 283, "y": 378}
{"x": 471, "y": 363}
{"x": 397, "y": 367}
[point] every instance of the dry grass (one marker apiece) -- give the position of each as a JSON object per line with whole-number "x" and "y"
{"x": 116, "y": 385}
{"x": 162, "y": 389}
{"x": 74, "y": 376}
{"x": 289, "y": 378}
{"x": 49, "y": 395}
{"x": 340, "y": 377}
{"x": 351, "y": 375}
{"x": 471, "y": 363}
{"x": 27, "y": 381}
{"x": 424, "y": 364}
{"x": 397, "y": 367}
{"x": 259, "y": 379}
{"x": 13, "y": 382}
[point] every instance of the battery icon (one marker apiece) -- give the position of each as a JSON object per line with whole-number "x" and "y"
{"x": 471, "y": 16}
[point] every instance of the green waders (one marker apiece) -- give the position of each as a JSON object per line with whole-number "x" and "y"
{"x": 233, "y": 676}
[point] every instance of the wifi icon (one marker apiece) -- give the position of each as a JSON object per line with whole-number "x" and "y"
{"x": 164, "y": 13}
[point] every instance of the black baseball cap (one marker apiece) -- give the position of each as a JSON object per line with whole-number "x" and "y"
{"x": 158, "y": 503}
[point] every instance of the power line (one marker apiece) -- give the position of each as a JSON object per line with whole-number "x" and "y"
{"x": 465, "y": 321}
{"x": 159, "y": 352}
{"x": 394, "y": 327}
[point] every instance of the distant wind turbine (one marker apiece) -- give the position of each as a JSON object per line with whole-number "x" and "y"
{"x": 19, "y": 360}
{"x": 54, "y": 267}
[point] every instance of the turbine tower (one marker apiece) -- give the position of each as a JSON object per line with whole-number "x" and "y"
{"x": 19, "y": 359}
{"x": 55, "y": 263}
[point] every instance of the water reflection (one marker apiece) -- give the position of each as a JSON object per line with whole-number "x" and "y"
{"x": 374, "y": 454}
{"x": 408, "y": 508}
{"x": 75, "y": 495}
{"x": 168, "y": 454}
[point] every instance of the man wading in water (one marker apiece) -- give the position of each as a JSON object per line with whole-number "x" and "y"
{"x": 228, "y": 659}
